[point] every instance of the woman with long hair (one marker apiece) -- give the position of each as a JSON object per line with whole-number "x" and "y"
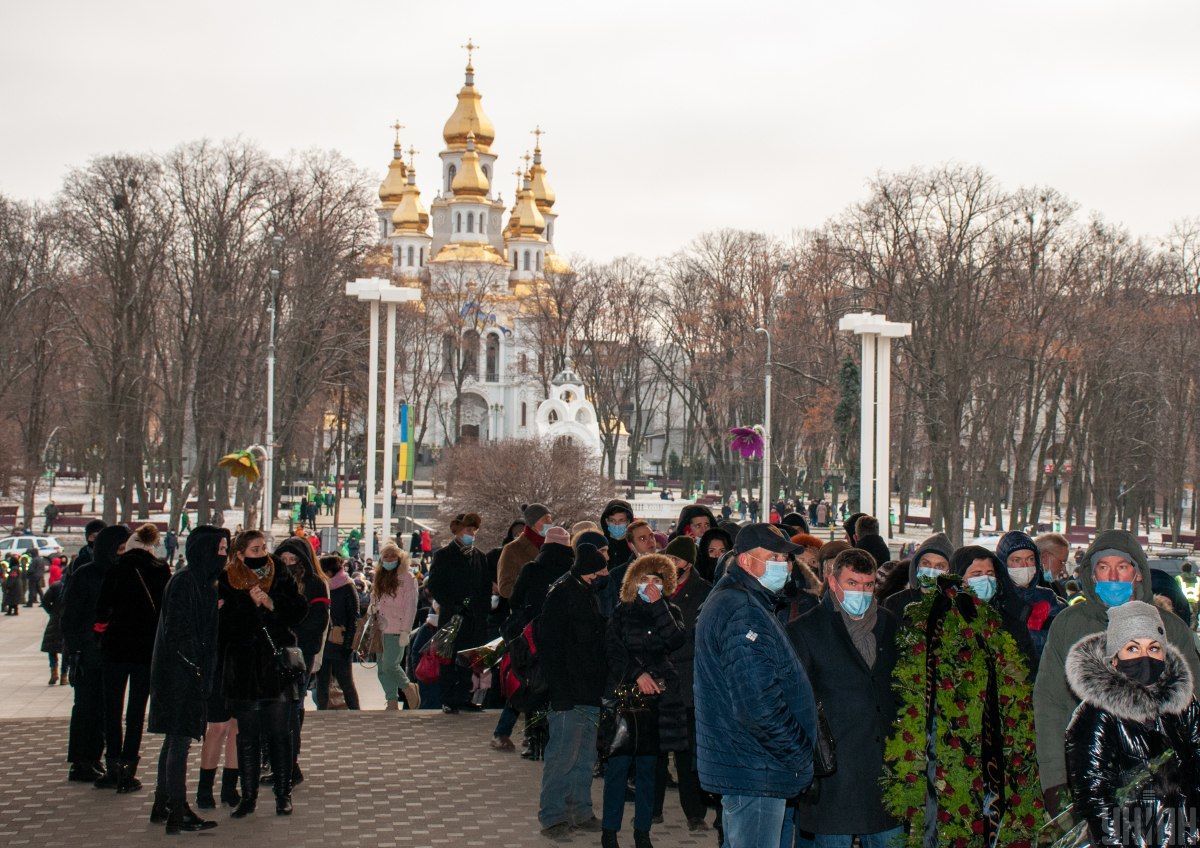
{"x": 343, "y": 616}
{"x": 260, "y": 603}
{"x": 127, "y": 618}
{"x": 297, "y": 557}
{"x": 394, "y": 599}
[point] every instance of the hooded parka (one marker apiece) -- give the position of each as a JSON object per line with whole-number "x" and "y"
{"x": 938, "y": 543}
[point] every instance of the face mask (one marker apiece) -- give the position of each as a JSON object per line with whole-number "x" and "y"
{"x": 983, "y": 588}
{"x": 467, "y": 539}
{"x": 1049, "y": 575}
{"x": 642, "y": 591}
{"x": 1113, "y": 593}
{"x": 776, "y": 576}
{"x": 1143, "y": 670}
{"x": 495, "y": 601}
{"x": 256, "y": 564}
{"x": 599, "y": 583}
{"x": 1022, "y": 576}
{"x": 927, "y": 576}
{"x": 855, "y": 602}
{"x": 617, "y": 531}
{"x": 389, "y": 566}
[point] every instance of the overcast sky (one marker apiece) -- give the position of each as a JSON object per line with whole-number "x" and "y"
{"x": 663, "y": 119}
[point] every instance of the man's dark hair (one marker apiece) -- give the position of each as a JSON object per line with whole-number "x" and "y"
{"x": 856, "y": 560}
{"x": 867, "y": 525}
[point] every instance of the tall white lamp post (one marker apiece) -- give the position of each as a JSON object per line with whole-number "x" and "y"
{"x": 391, "y": 295}
{"x": 368, "y": 290}
{"x": 875, "y": 477}
{"x": 767, "y": 494}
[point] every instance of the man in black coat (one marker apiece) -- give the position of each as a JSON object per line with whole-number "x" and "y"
{"x": 529, "y": 592}
{"x": 691, "y": 590}
{"x": 847, "y": 645}
{"x": 458, "y": 582}
{"x": 570, "y": 643}
{"x": 181, "y": 672}
{"x": 85, "y": 742}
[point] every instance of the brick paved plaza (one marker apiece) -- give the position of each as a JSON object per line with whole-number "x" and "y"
{"x": 371, "y": 778}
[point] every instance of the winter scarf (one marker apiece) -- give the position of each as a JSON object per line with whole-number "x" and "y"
{"x": 339, "y": 580}
{"x": 533, "y": 536}
{"x": 862, "y": 631}
{"x": 241, "y": 576}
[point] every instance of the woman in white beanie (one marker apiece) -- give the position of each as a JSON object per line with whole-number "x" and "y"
{"x": 1133, "y": 744}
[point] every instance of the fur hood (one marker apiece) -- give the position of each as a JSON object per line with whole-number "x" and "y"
{"x": 1093, "y": 679}
{"x": 644, "y": 565}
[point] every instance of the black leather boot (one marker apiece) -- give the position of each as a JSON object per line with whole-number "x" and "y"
{"x": 229, "y": 787}
{"x": 204, "y": 789}
{"x": 608, "y": 839}
{"x": 109, "y": 779}
{"x": 250, "y": 765}
{"x": 641, "y": 839}
{"x": 281, "y": 764}
{"x": 126, "y": 780}
{"x": 158, "y": 813}
{"x": 84, "y": 773}
{"x": 191, "y": 822}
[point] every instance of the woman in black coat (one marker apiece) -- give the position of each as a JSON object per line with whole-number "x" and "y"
{"x": 260, "y": 603}
{"x": 1133, "y": 744}
{"x": 181, "y": 672}
{"x": 343, "y": 618}
{"x": 52, "y": 638}
{"x": 127, "y": 619}
{"x": 296, "y": 555}
{"x": 644, "y": 631}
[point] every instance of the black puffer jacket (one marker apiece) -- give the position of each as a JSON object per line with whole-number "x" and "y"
{"x": 83, "y": 591}
{"x": 128, "y": 607}
{"x": 248, "y": 662}
{"x": 570, "y": 639}
{"x": 534, "y": 581}
{"x": 641, "y": 639}
{"x": 688, "y": 598}
{"x": 312, "y": 629}
{"x": 185, "y": 647}
{"x": 1119, "y": 727}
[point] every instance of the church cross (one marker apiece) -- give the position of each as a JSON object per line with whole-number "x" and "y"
{"x": 397, "y": 127}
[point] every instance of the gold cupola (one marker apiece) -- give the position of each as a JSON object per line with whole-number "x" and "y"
{"x": 392, "y": 186}
{"x": 470, "y": 182}
{"x": 543, "y": 195}
{"x": 529, "y": 218}
{"x": 468, "y": 117}
{"x": 410, "y": 215}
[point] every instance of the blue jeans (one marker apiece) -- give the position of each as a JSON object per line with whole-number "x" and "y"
{"x": 508, "y": 720}
{"x": 884, "y": 839}
{"x": 567, "y": 771}
{"x": 750, "y": 821}
{"x": 616, "y": 771}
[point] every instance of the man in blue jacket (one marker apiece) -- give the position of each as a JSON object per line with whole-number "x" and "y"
{"x": 756, "y": 716}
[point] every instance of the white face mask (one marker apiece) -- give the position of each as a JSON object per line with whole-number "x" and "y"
{"x": 1022, "y": 576}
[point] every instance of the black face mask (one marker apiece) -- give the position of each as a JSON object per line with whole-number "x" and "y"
{"x": 256, "y": 563}
{"x": 1143, "y": 670}
{"x": 599, "y": 583}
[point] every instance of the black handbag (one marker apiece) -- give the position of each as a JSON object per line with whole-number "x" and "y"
{"x": 824, "y": 747}
{"x": 289, "y": 662}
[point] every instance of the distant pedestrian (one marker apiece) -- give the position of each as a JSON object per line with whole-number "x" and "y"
{"x": 394, "y": 597}
{"x": 50, "y": 513}
{"x": 171, "y": 545}
{"x": 52, "y": 641}
{"x": 343, "y": 617}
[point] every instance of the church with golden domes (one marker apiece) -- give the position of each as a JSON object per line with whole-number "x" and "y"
{"x": 465, "y": 245}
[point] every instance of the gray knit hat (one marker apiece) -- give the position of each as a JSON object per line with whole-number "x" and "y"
{"x": 533, "y": 513}
{"x": 1132, "y": 620}
{"x": 1107, "y": 552}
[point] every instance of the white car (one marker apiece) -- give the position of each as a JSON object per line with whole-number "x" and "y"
{"x": 986, "y": 540}
{"x": 47, "y": 546}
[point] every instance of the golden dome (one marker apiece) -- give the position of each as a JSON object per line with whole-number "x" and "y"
{"x": 393, "y": 184}
{"x": 529, "y": 219}
{"x": 470, "y": 181}
{"x": 542, "y": 193}
{"x": 410, "y": 215}
{"x": 555, "y": 264}
{"x": 468, "y": 117}
{"x": 469, "y": 252}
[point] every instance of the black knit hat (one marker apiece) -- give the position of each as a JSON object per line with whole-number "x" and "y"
{"x": 682, "y": 547}
{"x": 93, "y": 526}
{"x": 591, "y": 537}
{"x": 588, "y": 561}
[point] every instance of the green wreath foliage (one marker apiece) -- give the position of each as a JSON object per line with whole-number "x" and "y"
{"x": 959, "y": 704}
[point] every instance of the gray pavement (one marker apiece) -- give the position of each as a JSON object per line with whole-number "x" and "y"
{"x": 372, "y": 778}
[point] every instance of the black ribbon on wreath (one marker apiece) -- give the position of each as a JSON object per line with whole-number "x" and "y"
{"x": 950, "y": 595}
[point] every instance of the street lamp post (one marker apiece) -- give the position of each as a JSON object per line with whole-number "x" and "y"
{"x": 874, "y": 490}
{"x": 268, "y": 517}
{"x": 766, "y": 469}
{"x": 391, "y": 295}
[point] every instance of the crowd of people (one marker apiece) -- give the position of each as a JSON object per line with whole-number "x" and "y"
{"x": 792, "y": 691}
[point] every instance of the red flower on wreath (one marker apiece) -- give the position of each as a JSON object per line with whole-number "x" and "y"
{"x": 976, "y": 826}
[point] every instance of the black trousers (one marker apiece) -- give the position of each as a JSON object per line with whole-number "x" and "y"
{"x": 336, "y": 664}
{"x": 85, "y": 741}
{"x": 455, "y": 683}
{"x": 125, "y": 738}
{"x": 172, "y": 767}
{"x": 35, "y": 593}
{"x": 690, "y": 797}
{"x": 271, "y": 720}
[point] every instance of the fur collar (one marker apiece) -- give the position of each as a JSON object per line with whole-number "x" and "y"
{"x": 648, "y": 564}
{"x": 1093, "y": 679}
{"x": 241, "y": 577}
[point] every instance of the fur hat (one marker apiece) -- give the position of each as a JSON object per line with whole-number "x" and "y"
{"x": 643, "y": 566}
{"x": 1094, "y": 681}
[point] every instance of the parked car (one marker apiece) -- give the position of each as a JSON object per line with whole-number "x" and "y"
{"x": 46, "y": 545}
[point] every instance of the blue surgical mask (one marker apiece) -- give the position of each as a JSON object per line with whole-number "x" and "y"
{"x": 617, "y": 531}
{"x": 983, "y": 587}
{"x": 927, "y": 575}
{"x": 855, "y": 602}
{"x": 1048, "y": 574}
{"x": 389, "y": 566}
{"x": 1113, "y": 593}
{"x": 776, "y": 575}
{"x": 468, "y": 539}
{"x": 642, "y": 591}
